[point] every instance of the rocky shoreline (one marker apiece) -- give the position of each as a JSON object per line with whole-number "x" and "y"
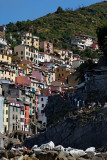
{"x": 47, "y": 155}
{"x": 49, "y": 151}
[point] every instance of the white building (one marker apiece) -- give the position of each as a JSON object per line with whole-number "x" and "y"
{"x": 1, "y": 113}
{"x": 42, "y": 101}
{"x": 82, "y": 41}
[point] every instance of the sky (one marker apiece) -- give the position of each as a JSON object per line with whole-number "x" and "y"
{"x": 22, "y": 10}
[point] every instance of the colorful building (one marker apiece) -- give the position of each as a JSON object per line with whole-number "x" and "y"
{"x": 30, "y": 40}
{"x": 5, "y": 122}
{"x": 47, "y": 47}
{"x": 41, "y": 103}
{"x": 8, "y": 75}
{"x": 25, "y": 65}
{"x": 1, "y": 113}
{"x": 62, "y": 72}
{"x": 27, "y": 53}
{"x": 26, "y": 117}
{"x": 5, "y": 58}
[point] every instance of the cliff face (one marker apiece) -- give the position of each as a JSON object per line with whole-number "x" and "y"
{"x": 76, "y": 132}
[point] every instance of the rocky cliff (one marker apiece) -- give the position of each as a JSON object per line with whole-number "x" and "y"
{"x": 81, "y": 131}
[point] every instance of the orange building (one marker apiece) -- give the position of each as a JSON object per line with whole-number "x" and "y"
{"x": 62, "y": 72}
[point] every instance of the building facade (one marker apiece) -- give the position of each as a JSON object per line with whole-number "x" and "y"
{"x": 1, "y": 113}
{"x": 27, "y": 53}
{"x": 30, "y": 40}
{"x": 47, "y": 47}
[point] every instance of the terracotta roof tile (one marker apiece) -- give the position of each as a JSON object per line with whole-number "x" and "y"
{"x": 23, "y": 80}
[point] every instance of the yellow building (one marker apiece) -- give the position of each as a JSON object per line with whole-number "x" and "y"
{"x": 9, "y": 75}
{"x": 5, "y": 117}
{"x": 26, "y": 66}
{"x": 62, "y": 72}
{"x": 58, "y": 51}
{"x": 5, "y": 58}
{"x": 27, "y": 53}
{"x": 30, "y": 40}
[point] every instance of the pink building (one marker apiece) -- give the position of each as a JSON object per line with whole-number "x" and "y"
{"x": 37, "y": 80}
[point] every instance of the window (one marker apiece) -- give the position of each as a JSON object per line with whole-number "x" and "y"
{"x": 42, "y": 105}
{"x": 21, "y": 52}
{"x": 16, "y": 116}
{"x": 9, "y": 73}
{"x": 16, "y": 53}
{"x": 7, "y": 58}
{"x": 13, "y": 108}
{"x": 42, "y": 111}
{"x": 30, "y": 105}
{"x": 16, "y": 109}
{"x": 41, "y": 99}
{"x": 6, "y": 119}
{"x": 22, "y": 119}
{"x": 8, "y": 91}
{"x": 5, "y": 72}
{"x": 28, "y": 39}
{"x": 59, "y": 75}
{"x": 33, "y": 84}
{"x": 62, "y": 69}
{"x": 22, "y": 112}
{"x": 62, "y": 74}
{"x": 13, "y": 116}
{"x": 13, "y": 126}
{"x": 12, "y": 74}
{"x": 21, "y": 57}
{"x": 2, "y": 56}
{"x": 6, "y": 111}
{"x": 58, "y": 70}
{"x": 23, "y": 92}
{"x": 2, "y": 72}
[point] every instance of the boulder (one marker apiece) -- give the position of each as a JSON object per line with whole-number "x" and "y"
{"x": 2, "y": 154}
{"x": 61, "y": 156}
{"x": 18, "y": 153}
{"x": 10, "y": 154}
{"x": 98, "y": 157}
{"x": 3, "y": 158}
{"x": 47, "y": 155}
{"x": 27, "y": 152}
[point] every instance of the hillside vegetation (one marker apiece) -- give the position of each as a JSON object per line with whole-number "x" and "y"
{"x": 60, "y": 26}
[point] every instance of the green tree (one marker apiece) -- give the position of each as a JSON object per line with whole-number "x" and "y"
{"x": 59, "y": 10}
{"x": 11, "y": 27}
{"x": 81, "y": 70}
{"x": 102, "y": 38}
